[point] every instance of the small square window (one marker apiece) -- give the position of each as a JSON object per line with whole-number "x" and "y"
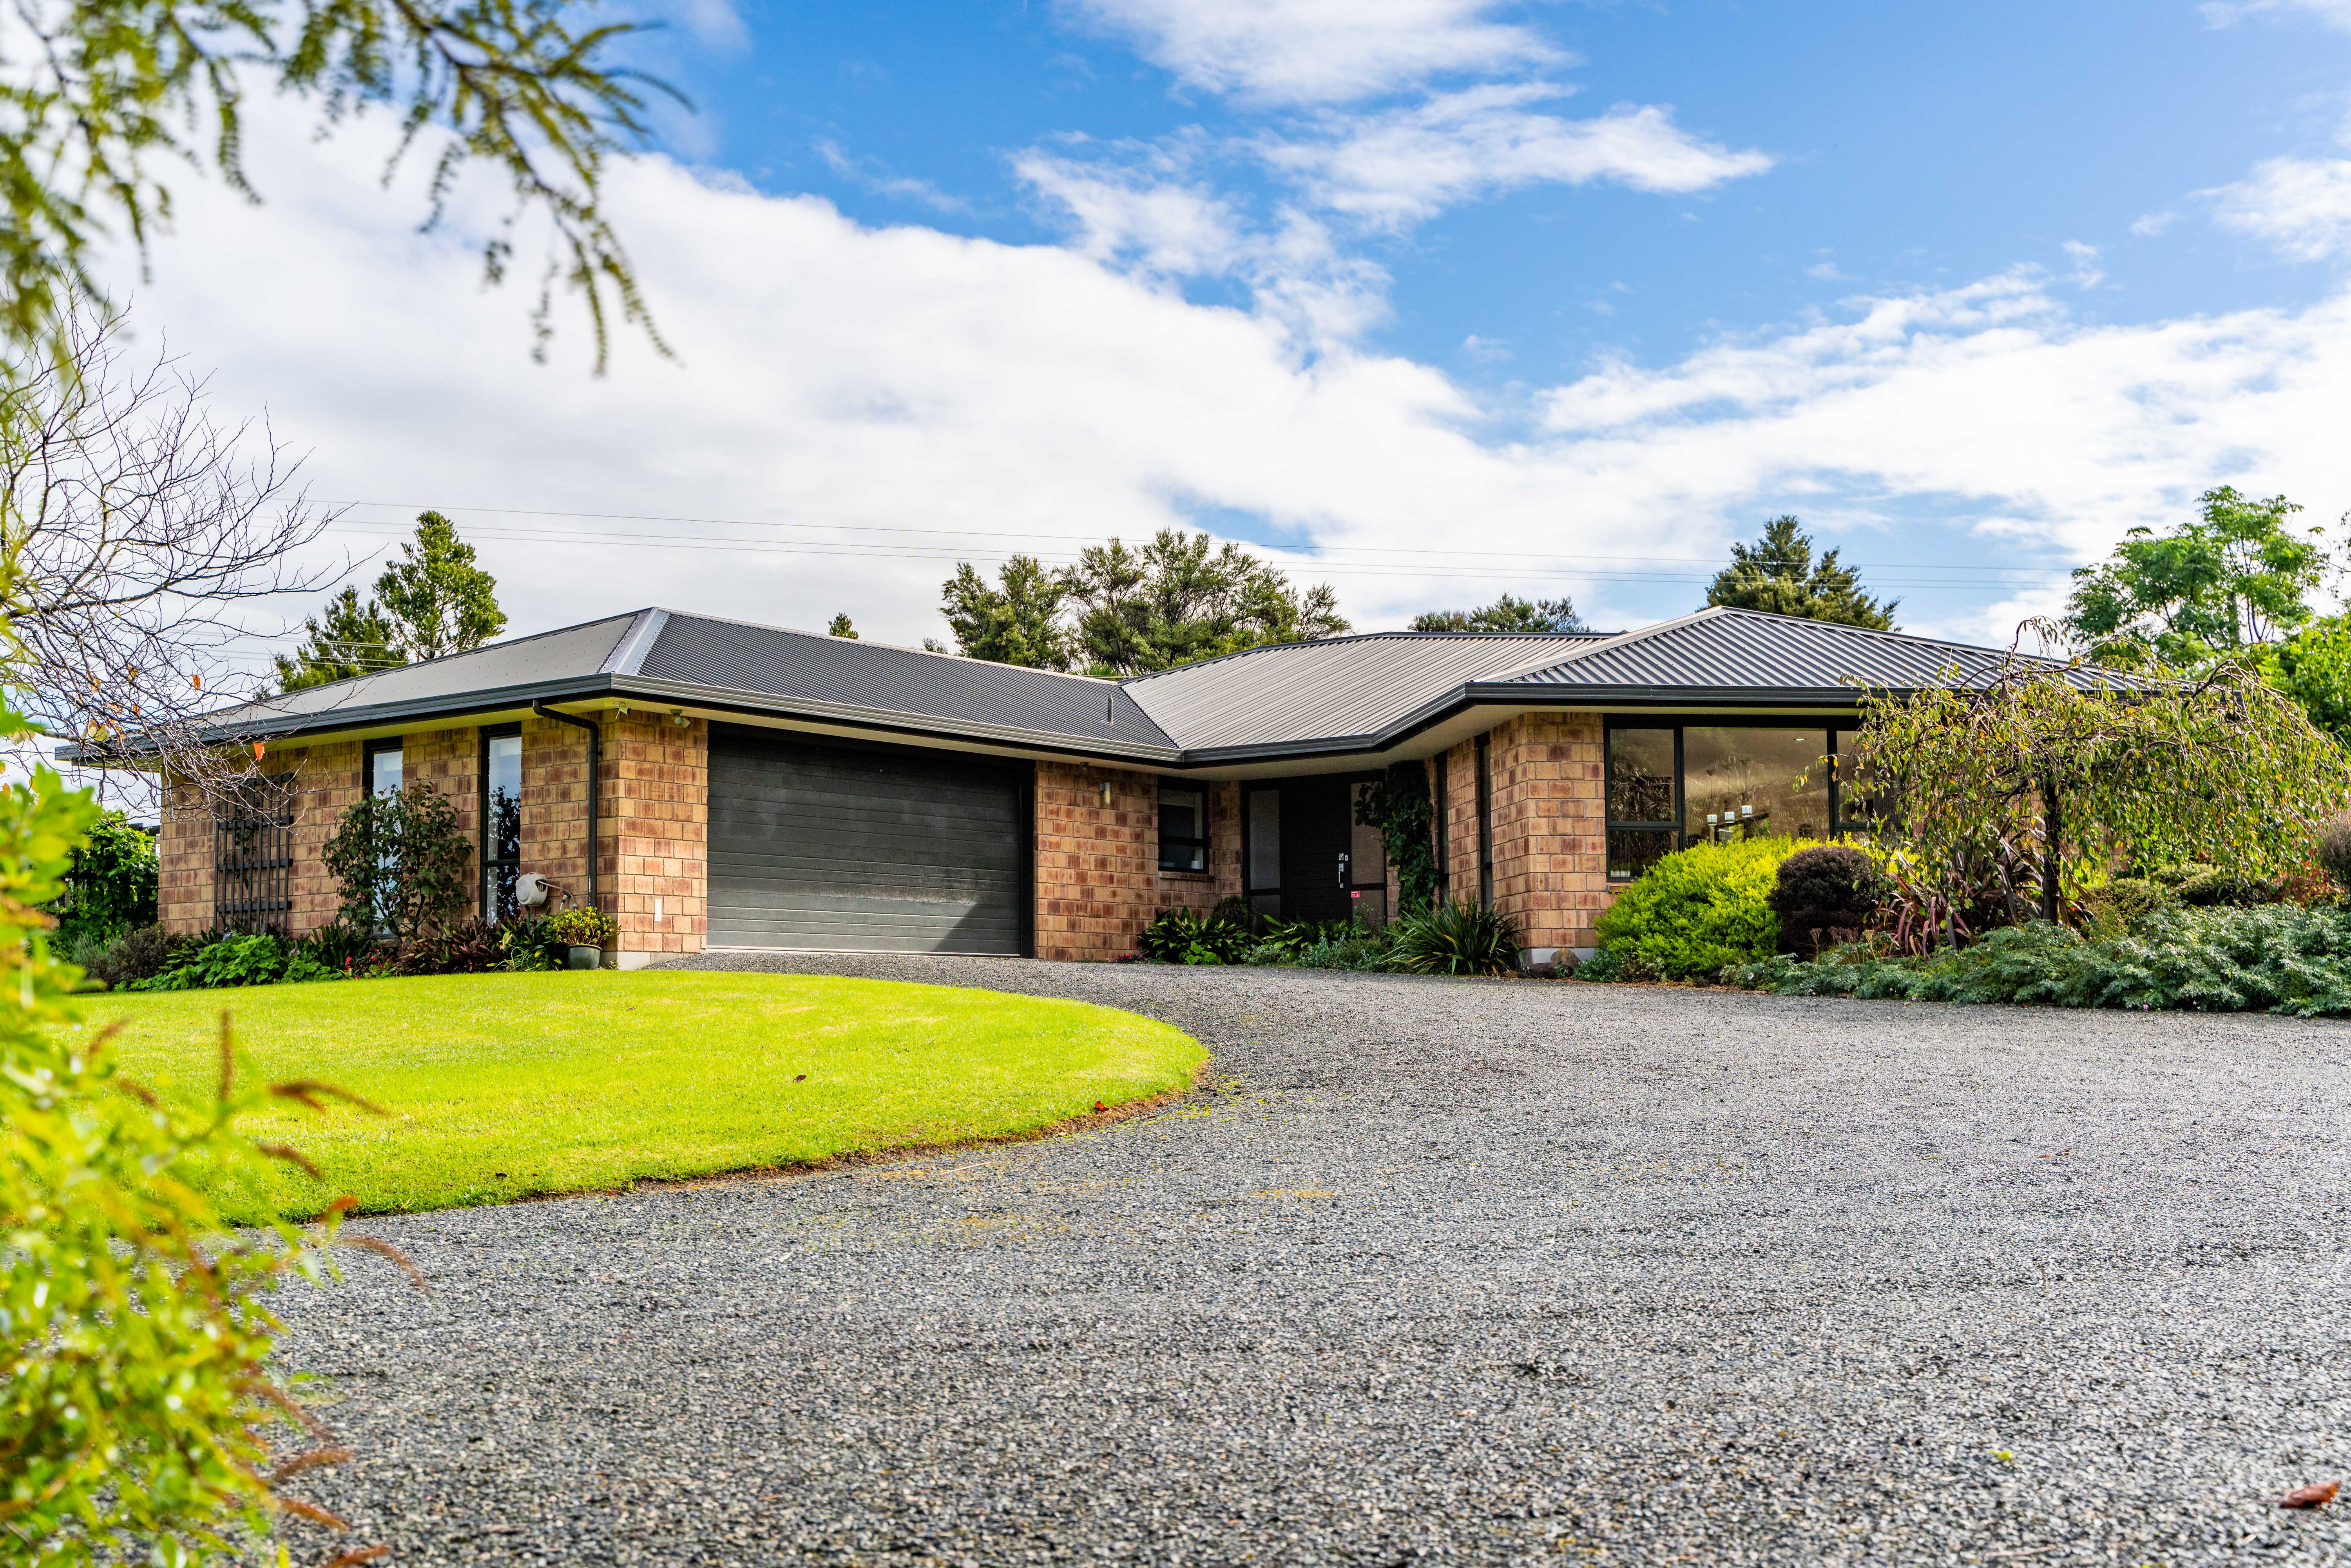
{"x": 1182, "y": 829}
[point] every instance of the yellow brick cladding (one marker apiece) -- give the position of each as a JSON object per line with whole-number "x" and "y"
{"x": 1098, "y": 881}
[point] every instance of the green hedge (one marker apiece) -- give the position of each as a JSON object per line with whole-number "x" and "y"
{"x": 1699, "y": 911}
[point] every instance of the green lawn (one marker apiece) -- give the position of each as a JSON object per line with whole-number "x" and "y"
{"x": 506, "y": 1085}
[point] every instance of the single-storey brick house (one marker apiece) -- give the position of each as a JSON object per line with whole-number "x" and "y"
{"x": 748, "y": 786}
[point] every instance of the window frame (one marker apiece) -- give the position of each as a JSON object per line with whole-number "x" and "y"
{"x": 373, "y": 749}
{"x": 1485, "y": 781}
{"x": 487, "y": 833}
{"x": 1831, "y": 729}
{"x": 1205, "y": 795}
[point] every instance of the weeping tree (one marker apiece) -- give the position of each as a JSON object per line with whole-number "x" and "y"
{"x": 2011, "y": 789}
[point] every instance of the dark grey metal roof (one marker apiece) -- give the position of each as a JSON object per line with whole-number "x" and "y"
{"x": 730, "y": 655}
{"x": 1746, "y": 652}
{"x": 1340, "y": 695}
{"x": 1336, "y": 689}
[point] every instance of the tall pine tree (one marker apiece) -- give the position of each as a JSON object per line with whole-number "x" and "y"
{"x": 430, "y": 603}
{"x": 1777, "y": 573}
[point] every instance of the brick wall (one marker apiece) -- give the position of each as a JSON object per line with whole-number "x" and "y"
{"x": 1098, "y": 877}
{"x": 1550, "y": 867}
{"x": 183, "y": 862}
{"x": 1460, "y": 766}
{"x": 656, "y": 829}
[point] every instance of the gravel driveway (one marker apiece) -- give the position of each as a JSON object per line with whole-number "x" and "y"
{"x": 1482, "y": 1271}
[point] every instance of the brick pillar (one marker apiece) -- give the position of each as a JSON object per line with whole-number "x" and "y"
{"x": 183, "y": 855}
{"x": 655, "y": 828}
{"x": 1551, "y": 849}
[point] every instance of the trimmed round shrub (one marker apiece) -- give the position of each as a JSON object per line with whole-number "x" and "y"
{"x": 1825, "y": 896}
{"x": 1699, "y": 910}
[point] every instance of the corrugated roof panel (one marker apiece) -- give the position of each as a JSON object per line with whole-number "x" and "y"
{"x": 772, "y": 662}
{"x": 1329, "y": 690}
{"x": 1723, "y": 649}
{"x": 525, "y": 660}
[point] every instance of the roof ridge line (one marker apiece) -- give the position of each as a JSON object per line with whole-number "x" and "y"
{"x": 894, "y": 647}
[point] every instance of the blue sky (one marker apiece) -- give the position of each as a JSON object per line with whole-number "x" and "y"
{"x": 1434, "y": 298}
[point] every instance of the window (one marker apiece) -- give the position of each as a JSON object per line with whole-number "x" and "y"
{"x": 1263, "y": 851}
{"x": 383, "y": 765}
{"x": 501, "y": 820}
{"x": 1183, "y": 828}
{"x": 1644, "y": 820}
{"x": 1439, "y": 767}
{"x": 1368, "y": 862}
{"x": 1670, "y": 785}
{"x": 1485, "y": 822}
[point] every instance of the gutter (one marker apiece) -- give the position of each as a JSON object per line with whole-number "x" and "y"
{"x": 595, "y": 736}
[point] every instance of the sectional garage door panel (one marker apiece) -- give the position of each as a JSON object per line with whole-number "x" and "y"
{"x": 847, "y": 849}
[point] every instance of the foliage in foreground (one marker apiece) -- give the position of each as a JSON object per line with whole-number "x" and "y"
{"x": 1694, "y": 912}
{"x": 138, "y": 1410}
{"x": 2271, "y": 957}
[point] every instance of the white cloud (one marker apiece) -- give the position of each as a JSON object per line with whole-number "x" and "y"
{"x": 902, "y": 379}
{"x": 872, "y": 174}
{"x": 2152, "y": 223}
{"x": 1318, "y": 51}
{"x": 1404, "y": 165}
{"x": 2085, "y": 258}
{"x": 2228, "y": 13}
{"x": 2302, "y": 206}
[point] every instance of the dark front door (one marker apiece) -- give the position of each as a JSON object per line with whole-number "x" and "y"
{"x": 863, "y": 849}
{"x": 1316, "y": 837}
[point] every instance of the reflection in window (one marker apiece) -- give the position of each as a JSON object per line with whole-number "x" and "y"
{"x": 502, "y": 825}
{"x": 1182, "y": 829}
{"x": 1367, "y": 863}
{"x": 1742, "y": 783}
{"x": 1265, "y": 850}
{"x": 383, "y": 769}
{"x": 1641, "y": 776}
{"x": 1632, "y": 850}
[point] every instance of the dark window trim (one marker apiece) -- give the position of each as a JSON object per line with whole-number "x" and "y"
{"x": 1442, "y": 768}
{"x": 371, "y": 750}
{"x": 1249, "y": 836}
{"x": 482, "y": 806}
{"x": 1677, "y": 723}
{"x": 1486, "y": 820}
{"x": 1206, "y": 790}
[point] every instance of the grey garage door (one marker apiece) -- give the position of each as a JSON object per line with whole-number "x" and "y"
{"x": 858, "y": 849}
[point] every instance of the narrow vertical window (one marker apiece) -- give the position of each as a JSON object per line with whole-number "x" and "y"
{"x": 1183, "y": 828}
{"x": 1440, "y": 766}
{"x": 1645, "y": 816}
{"x": 383, "y": 765}
{"x": 501, "y": 822}
{"x": 1264, "y": 868}
{"x": 1485, "y": 821}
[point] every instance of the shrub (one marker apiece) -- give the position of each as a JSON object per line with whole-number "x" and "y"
{"x": 2266, "y": 957}
{"x": 2116, "y": 905}
{"x": 403, "y": 866}
{"x": 583, "y": 928}
{"x": 1605, "y": 965}
{"x": 472, "y": 946}
{"x": 530, "y": 943}
{"x": 253, "y": 959}
{"x": 1455, "y": 938}
{"x": 344, "y": 948}
{"x": 1177, "y": 935}
{"x": 111, "y": 888}
{"x": 1283, "y": 940}
{"x": 2209, "y": 888}
{"x": 1698, "y": 910}
{"x": 136, "y": 955}
{"x": 138, "y": 1407}
{"x": 1345, "y": 946}
{"x": 2333, "y": 853}
{"x": 1825, "y": 896}
{"x": 1235, "y": 911}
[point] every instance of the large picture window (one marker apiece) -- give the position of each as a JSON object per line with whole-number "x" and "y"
{"x": 501, "y": 821}
{"x": 1183, "y": 828}
{"x": 1676, "y": 784}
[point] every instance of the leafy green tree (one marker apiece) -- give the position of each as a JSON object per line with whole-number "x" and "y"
{"x": 2314, "y": 668}
{"x": 100, "y": 92}
{"x": 432, "y": 602}
{"x": 1777, "y": 574}
{"x": 1508, "y": 613}
{"x": 440, "y": 600}
{"x": 1016, "y": 622}
{"x": 1175, "y": 600}
{"x": 352, "y": 638}
{"x": 110, "y": 886}
{"x": 840, "y": 627}
{"x": 2234, "y": 577}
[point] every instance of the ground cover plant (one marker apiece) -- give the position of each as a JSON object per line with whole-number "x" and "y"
{"x": 506, "y": 1085}
{"x": 2262, "y": 957}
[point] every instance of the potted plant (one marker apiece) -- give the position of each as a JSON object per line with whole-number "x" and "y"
{"x": 583, "y": 932}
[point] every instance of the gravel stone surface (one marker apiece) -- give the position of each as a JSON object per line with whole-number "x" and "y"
{"x": 1476, "y": 1272}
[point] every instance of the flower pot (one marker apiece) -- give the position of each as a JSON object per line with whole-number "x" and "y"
{"x": 577, "y": 957}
